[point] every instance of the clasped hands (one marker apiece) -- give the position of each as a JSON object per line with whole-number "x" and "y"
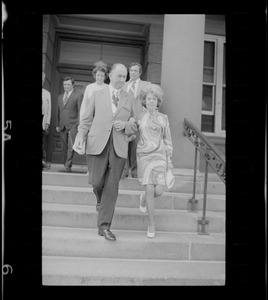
{"x": 120, "y": 125}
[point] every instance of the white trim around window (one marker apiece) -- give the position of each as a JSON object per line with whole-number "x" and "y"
{"x": 218, "y": 84}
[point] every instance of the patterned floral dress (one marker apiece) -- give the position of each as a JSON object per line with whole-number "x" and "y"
{"x": 154, "y": 147}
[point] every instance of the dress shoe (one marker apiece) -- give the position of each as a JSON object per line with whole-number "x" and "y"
{"x": 65, "y": 170}
{"x": 134, "y": 175}
{"x": 107, "y": 234}
{"x": 124, "y": 175}
{"x": 46, "y": 166}
{"x": 143, "y": 208}
{"x": 151, "y": 234}
{"x": 97, "y": 206}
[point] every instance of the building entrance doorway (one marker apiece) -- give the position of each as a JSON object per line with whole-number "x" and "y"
{"x": 76, "y": 58}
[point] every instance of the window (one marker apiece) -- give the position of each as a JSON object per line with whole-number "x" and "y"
{"x": 213, "y": 92}
{"x": 87, "y": 53}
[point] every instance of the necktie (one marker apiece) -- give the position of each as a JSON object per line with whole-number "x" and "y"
{"x": 132, "y": 88}
{"x": 115, "y": 98}
{"x": 65, "y": 98}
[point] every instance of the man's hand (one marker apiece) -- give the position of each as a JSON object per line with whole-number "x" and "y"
{"x": 58, "y": 129}
{"x": 119, "y": 125}
{"x": 46, "y": 129}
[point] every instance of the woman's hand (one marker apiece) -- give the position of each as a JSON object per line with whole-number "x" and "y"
{"x": 170, "y": 165}
{"x": 132, "y": 120}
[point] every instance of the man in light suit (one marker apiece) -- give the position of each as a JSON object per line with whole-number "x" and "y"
{"x": 46, "y": 113}
{"x": 134, "y": 87}
{"x": 69, "y": 104}
{"x": 106, "y": 128}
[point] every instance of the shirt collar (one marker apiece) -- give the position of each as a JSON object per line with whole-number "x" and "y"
{"x": 69, "y": 93}
{"x": 137, "y": 80}
{"x": 112, "y": 89}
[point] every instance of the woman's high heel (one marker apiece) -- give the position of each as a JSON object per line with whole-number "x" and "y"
{"x": 150, "y": 234}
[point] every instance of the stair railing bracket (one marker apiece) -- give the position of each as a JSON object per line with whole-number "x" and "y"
{"x": 202, "y": 228}
{"x": 192, "y": 205}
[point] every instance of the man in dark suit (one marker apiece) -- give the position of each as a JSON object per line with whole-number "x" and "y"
{"x": 134, "y": 87}
{"x": 69, "y": 104}
{"x": 106, "y": 128}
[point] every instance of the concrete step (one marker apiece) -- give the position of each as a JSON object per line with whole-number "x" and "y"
{"x": 183, "y": 184}
{"x": 101, "y": 271}
{"x": 128, "y": 198}
{"x": 80, "y": 242}
{"x": 85, "y": 216}
{"x": 187, "y": 174}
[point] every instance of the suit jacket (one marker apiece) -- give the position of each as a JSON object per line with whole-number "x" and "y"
{"x": 96, "y": 123}
{"x": 88, "y": 91}
{"x": 46, "y": 107}
{"x": 68, "y": 115}
{"x": 141, "y": 84}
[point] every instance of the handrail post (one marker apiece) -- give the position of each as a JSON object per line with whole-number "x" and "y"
{"x": 203, "y": 222}
{"x": 193, "y": 202}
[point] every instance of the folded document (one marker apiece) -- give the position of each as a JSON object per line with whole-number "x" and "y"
{"x": 79, "y": 149}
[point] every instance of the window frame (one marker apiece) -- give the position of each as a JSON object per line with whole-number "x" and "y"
{"x": 218, "y": 84}
{"x": 212, "y": 84}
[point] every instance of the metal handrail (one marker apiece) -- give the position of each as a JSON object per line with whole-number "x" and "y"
{"x": 212, "y": 157}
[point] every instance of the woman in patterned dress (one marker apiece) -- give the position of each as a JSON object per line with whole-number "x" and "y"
{"x": 154, "y": 151}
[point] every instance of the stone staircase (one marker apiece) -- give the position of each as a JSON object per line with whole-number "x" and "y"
{"x": 74, "y": 254}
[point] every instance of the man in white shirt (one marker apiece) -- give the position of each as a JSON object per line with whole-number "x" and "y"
{"x": 46, "y": 113}
{"x": 134, "y": 87}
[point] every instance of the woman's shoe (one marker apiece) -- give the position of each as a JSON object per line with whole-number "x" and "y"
{"x": 150, "y": 234}
{"x": 143, "y": 209}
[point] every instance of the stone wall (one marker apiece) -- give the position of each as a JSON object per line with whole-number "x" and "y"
{"x": 48, "y": 48}
{"x": 153, "y": 53}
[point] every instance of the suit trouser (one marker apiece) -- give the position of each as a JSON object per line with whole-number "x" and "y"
{"x": 66, "y": 150}
{"x": 106, "y": 169}
{"x": 44, "y": 153}
{"x": 131, "y": 161}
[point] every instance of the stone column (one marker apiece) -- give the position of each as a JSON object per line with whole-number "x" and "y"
{"x": 48, "y": 47}
{"x": 181, "y": 80}
{"x": 48, "y": 53}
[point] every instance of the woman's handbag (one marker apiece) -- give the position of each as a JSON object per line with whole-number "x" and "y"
{"x": 170, "y": 179}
